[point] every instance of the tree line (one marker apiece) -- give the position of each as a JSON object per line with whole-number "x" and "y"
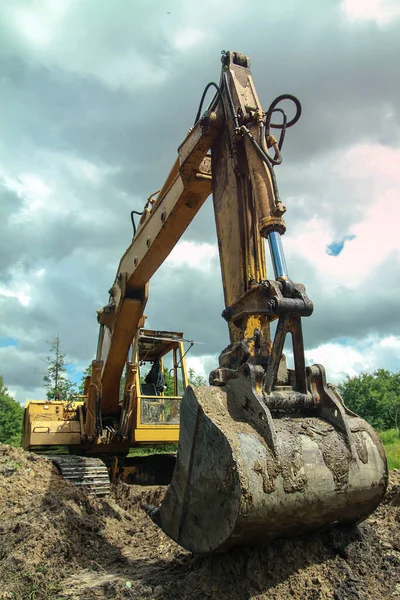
{"x": 375, "y": 397}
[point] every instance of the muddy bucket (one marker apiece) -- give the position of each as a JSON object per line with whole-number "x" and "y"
{"x": 229, "y": 487}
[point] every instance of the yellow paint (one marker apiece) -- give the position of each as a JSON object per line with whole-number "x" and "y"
{"x": 253, "y": 322}
{"x": 159, "y": 434}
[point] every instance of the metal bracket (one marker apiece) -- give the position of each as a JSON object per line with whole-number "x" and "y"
{"x": 330, "y": 407}
{"x": 289, "y": 323}
{"x": 244, "y": 387}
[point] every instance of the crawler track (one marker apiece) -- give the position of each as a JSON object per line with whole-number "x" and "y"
{"x": 89, "y": 473}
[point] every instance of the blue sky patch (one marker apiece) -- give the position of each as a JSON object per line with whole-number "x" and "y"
{"x": 7, "y": 341}
{"x": 335, "y": 248}
{"x": 74, "y": 374}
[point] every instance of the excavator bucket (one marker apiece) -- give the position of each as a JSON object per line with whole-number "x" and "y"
{"x": 237, "y": 483}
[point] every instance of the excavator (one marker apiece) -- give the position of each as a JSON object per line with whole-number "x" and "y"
{"x": 266, "y": 450}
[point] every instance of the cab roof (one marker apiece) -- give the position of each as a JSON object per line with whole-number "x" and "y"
{"x": 155, "y": 344}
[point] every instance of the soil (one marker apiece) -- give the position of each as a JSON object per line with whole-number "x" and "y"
{"x": 58, "y": 543}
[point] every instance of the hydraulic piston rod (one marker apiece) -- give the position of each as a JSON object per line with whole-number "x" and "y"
{"x": 277, "y": 255}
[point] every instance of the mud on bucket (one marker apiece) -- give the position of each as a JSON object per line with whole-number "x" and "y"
{"x": 230, "y": 488}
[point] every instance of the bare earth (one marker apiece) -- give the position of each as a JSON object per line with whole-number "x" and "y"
{"x": 57, "y": 543}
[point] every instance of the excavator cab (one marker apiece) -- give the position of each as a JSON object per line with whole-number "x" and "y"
{"x": 149, "y": 407}
{"x": 161, "y": 380}
{"x": 155, "y": 380}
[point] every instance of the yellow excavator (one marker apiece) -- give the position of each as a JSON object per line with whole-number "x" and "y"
{"x": 266, "y": 450}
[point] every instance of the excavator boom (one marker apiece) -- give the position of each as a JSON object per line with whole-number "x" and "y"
{"x": 161, "y": 225}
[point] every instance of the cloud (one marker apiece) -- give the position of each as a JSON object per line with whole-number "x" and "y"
{"x": 97, "y": 100}
{"x": 372, "y": 182}
{"x": 187, "y": 38}
{"x": 17, "y": 288}
{"x": 24, "y": 369}
{"x": 380, "y": 11}
{"x": 194, "y": 255}
{"x": 202, "y": 365}
{"x": 350, "y": 357}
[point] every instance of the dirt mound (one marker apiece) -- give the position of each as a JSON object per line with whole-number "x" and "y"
{"x": 58, "y": 543}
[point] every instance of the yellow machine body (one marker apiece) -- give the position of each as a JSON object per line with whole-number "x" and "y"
{"x": 51, "y": 424}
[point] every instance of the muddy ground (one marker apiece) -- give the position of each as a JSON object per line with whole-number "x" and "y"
{"x": 57, "y": 543}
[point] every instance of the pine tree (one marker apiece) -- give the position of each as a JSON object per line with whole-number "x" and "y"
{"x": 56, "y": 382}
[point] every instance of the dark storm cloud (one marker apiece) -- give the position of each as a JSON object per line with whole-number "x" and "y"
{"x": 24, "y": 369}
{"x": 345, "y": 76}
{"x": 352, "y": 314}
{"x": 115, "y": 90}
{"x": 59, "y": 306}
{"x": 193, "y": 299}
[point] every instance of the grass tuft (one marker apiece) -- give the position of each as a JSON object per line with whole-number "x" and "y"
{"x": 391, "y": 441}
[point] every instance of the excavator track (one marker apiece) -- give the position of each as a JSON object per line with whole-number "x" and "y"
{"x": 90, "y": 474}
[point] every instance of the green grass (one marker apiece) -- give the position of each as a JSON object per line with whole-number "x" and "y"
{"x": 391, "y": 441}
{"x": 157, "y": 449}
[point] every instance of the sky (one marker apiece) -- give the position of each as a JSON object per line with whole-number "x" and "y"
{"x": 97, "y": 96}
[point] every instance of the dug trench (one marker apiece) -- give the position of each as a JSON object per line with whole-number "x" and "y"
{"x": 58, "y": 543}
